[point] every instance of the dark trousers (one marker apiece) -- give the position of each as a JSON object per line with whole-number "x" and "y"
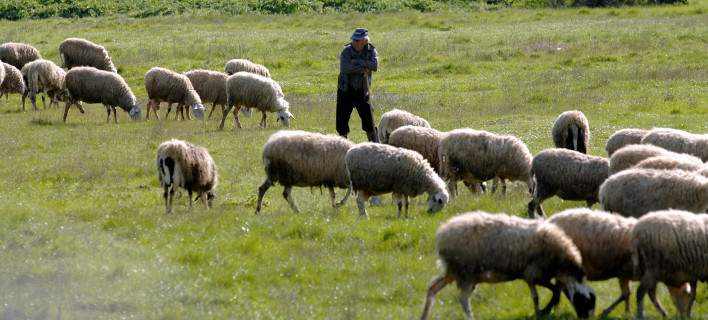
{"x": 346, "y": 102}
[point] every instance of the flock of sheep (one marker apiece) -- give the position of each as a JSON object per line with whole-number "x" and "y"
{"x": 653, "y": 186}
{"x": 92, "y": 78}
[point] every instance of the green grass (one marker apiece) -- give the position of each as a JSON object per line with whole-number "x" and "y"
{"x": 84, "y": 235}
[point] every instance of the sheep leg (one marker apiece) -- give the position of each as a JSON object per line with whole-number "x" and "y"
{"x": 590, "y": 203}
{"x": 452, "y": 187}
{"x": 624, "y": 286}
{"x": 539, "y": 195}
{"x": 361, "y": 204}
{"x": 288, "y": 195}
{"x": 555, "y": 297}
{"x": 399, "y": 203}
{"x": 657, "y": 304}
{"x": 332, "y": 196}
{"x": 495, "y": 184}
{"x": 647, "y": 285}
{"x": 534, "y": 297}
{"x": 166, "y": 196}
{"x": 236, "y": 118}
{"x": 223, "y": 117}
{"x": 261, "y": 192}
{"x": 115, "y": 116}
{"x": 66, "y": 110}
{"x": 465, "y": 292}
{"x": 149, "y": 106}
{"x": 406, "y": 201}
{"x": 435, "y": 286}
{"x": 80, "y": 107}
{"x": 692, "y": 298}
{"x": 503, "y": 182}
{"x": 108, "y": 110}
{"x": 172, "y": 198}
{"x": 213, "y": 107}
{"x": 33, "y": 98}
{"x": 44, "y": 103}
{"x": 263, "y": 120}
{"x": 24, "y": 96}
{"x": 205, "y": 199}
{"x": 189, "y": 193}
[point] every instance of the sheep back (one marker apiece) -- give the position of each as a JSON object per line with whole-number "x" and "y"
{"x": 396, "y": 118}
{"x": 18, "y": 54}
{"x": 570, "y": 174}
{"x": 622, "y": 138}
{"x": 210, "y": 85}
{"x": 681, "y": 162}
{"x": 92, "y": 85}
{"x": 77, "y": 52}
{"x": 628, "y": 156}
{"x": 238, "y": 65}
{"x": 679, "y": 141}
{"x": 423, "y": 140}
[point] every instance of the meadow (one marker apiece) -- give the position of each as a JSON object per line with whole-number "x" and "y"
{"x": 84, "y": 234}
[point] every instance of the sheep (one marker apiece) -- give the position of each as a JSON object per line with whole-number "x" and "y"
{"x": 630, "y": 155}
{"x": 77, "y": 52}
{"x": 679, "y": 141}
{"x": 395, "y": 118}
{"x": 237, "y": 65}
{"x": 166, "y": 85}
{"x": 569, "y": 174}
{"x": 479, "y": 247}
{"x": 211, "y": 87}
{"x": 250, "y": 90}
{"x": 2, "y": 74}
{"x": 43, "y": 76}
{"x": 182, "y": 164}
{"x": 18, "y": 54}
{"x": 605, "y": 244}
{"x": 376, "y": 168}
{"x": 304, "y": 159}
{"x": 634, "y": 192}
{"x": 571, "y": 131}
{"x": 476, "y": 156}
{"x": 92, "y": 85}
{"x": 680, "y": 162}
{"x": 670, "y": 246}
{"x": 12, "y": 82}
{"x": 624, "y": 137}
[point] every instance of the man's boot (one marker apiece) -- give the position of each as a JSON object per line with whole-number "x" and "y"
{"x": 373, "y": 135}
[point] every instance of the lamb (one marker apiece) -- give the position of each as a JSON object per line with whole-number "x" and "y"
{"x": 182, "y": 164}
{"x": 479, "y": 247}
{"x": 304, "y": 159}
{"x": 77, "y": 52}
{"x": 635, "y": 192}
{"x": 211, "y": 87}
{"x": 632, "y": 154}
{"x": 166, "y": 85}
{"x": 43, "y": 76}
{"x": 395, "y": 118}
{"x": 681, "y": 162}
{"x": 569, "y": 174}
{"x": 670, "y": 246}
{"x": 679, "y": 141}
{"x": 624, "y": 137}
{"x": 18, "y": 54}
{"x": 376, "y": 168}
{"x": 572, "y": 131}
{"x": 12, "y": 82}
{"x": 237, "y": 65}
{"x": 92, "y": 85}
{"x": 255, "y": 91}
{"x": 476, "y": 156}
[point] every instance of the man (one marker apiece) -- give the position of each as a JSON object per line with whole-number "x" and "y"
{"x": 357, "y": 61}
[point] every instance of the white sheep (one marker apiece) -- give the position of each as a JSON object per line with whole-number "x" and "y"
{"x": 680, "y": 162}
{"x": 671, "y": 247}
{"x": 77, "y": 52}
{"x": 395, "y": 118}
{"x": 304, "y": 159}
{"x": 249, "y": 90}
{"x": 569, "y": 174}
{"x": 18, "y": 54}
{"x": 624, "y": 137}
{"x": 43, "y": 76}
{"x": 182, "y": 164}
{"x": 634, "y": 192}
{"x": 12, "y": 81}
{"x": 376, "y": 169}
{"x": 628, "y": 156}
{"x": 571, "y": 131}
{"x": 479, "y": 247}
{"x": 476, "y": 156}
{"x": 166, "y": 85}
{"x": 238, "y": 65}
{"x": 679, "y": 141}
{"x": 92, "y": 85}
{"x": 211, "y": 87}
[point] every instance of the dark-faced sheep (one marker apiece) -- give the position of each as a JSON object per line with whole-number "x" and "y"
{"x": 77, "y": 52}
{"x": 211, "y": 87}
{"x": 91, "y": 85}
{"x": 182, "y": 164}
{"x": 478, "y": 247}
{"x": 571, "y": 131}
{"x": 18, "y": 54}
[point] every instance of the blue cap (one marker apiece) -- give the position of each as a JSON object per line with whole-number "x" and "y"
{"x": 360, "y": 33}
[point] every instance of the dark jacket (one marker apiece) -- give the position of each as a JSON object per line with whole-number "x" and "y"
{"x": 353, "y": 67}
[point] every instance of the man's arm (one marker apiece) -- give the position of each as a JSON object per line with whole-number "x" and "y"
{"x": 373, "y": 63}
{"x": 349, "y": 66}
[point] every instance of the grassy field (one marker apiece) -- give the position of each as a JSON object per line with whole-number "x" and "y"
{"x": 84, "y": 234}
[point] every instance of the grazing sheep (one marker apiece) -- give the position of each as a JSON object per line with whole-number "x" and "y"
{"x": 479, "y": 247}
{"x": 679, "y": 141}
{"x": 43, "y": 76}
{"x": 670, "y": 246}
{"x": 92, "y": 85}
{"x": 182, "y": 164}
{"x": 624, "y": 137}
{"x": 605, "y": 244}
{"x": 634, "y": 192}
{"x": 12, "y": 81}
{"x": 569, "y": 174}
{"x": 572, "y": 131}
{"x": 238, "y": 65}
{"x": 211, "y": 87}
{"x": 395, "y": 118}
{"x": 76, "y": 52}
{"x": 244, "y": 89}
{"x": 304, "y": 159}
{"x": 376, "y": 168}
{"x": 18, "y": 54}
{"x": 2, "y": 75}
{"x": 681, "y": 162}
{"x": 166, "y": 85}
{"x": 632, "y": 154}
{"x": 477, "y": 156}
